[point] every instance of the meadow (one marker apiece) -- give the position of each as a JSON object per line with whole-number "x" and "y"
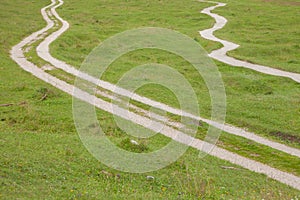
{"x": 43, "y": 157}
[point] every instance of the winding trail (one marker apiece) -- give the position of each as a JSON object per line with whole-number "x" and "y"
{"x": 17, "y": 54}
{"x": 43, "y": 52}
{"x": 221, "y": 54}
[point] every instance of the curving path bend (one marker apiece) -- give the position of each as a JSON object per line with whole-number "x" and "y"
{"x": 17, "y": 54}
{"x": 221, "y": 54}
{"x": 43, "y": 52}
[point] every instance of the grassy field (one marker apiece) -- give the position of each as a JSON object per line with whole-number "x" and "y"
{"x": 251, "y": 87}
{"x": 263, "y": 104}
{"x": 267, "y": 30}
{"x": 42, "y": 156}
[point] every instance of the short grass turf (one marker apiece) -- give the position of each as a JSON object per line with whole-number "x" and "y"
{"x": 267, "y": 30}
{"x": 238, "y": 145}
{"x": 42, "y": 156}
{"x": 263, "y": 104}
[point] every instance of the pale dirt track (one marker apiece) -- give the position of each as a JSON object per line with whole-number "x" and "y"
{"x": 43, "y": 52}
{"x": 17, "y": 54}
{"x": 221, "y": 54}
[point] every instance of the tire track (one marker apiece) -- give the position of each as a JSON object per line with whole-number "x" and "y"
{"x": 17, "y": 55}
{"x": 43, "y": 52}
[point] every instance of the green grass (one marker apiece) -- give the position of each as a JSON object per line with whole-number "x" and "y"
{"x": 54, "y": 166}
{"x": 104, "y": 19}
{"x": 263, "y": 104}
{"x": 42, "y": 156}
{"x": 268, "y": 32}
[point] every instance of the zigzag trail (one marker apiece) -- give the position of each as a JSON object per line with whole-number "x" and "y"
{"x": 17, "y": 55}
{"x": 220, "y": 54}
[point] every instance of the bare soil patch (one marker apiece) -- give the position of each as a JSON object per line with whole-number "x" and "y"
{"x": 287, "y": 137}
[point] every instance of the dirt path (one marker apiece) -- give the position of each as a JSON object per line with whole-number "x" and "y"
{"x": 17, "y": 55}
{"x": 220, "y": 54}
{"x": 43, "y": 52}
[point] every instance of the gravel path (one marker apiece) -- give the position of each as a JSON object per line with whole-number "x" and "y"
{"x": 17, "y": 55}
{"x": 43, "y": 52}
{"x": 220, "y": 54}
